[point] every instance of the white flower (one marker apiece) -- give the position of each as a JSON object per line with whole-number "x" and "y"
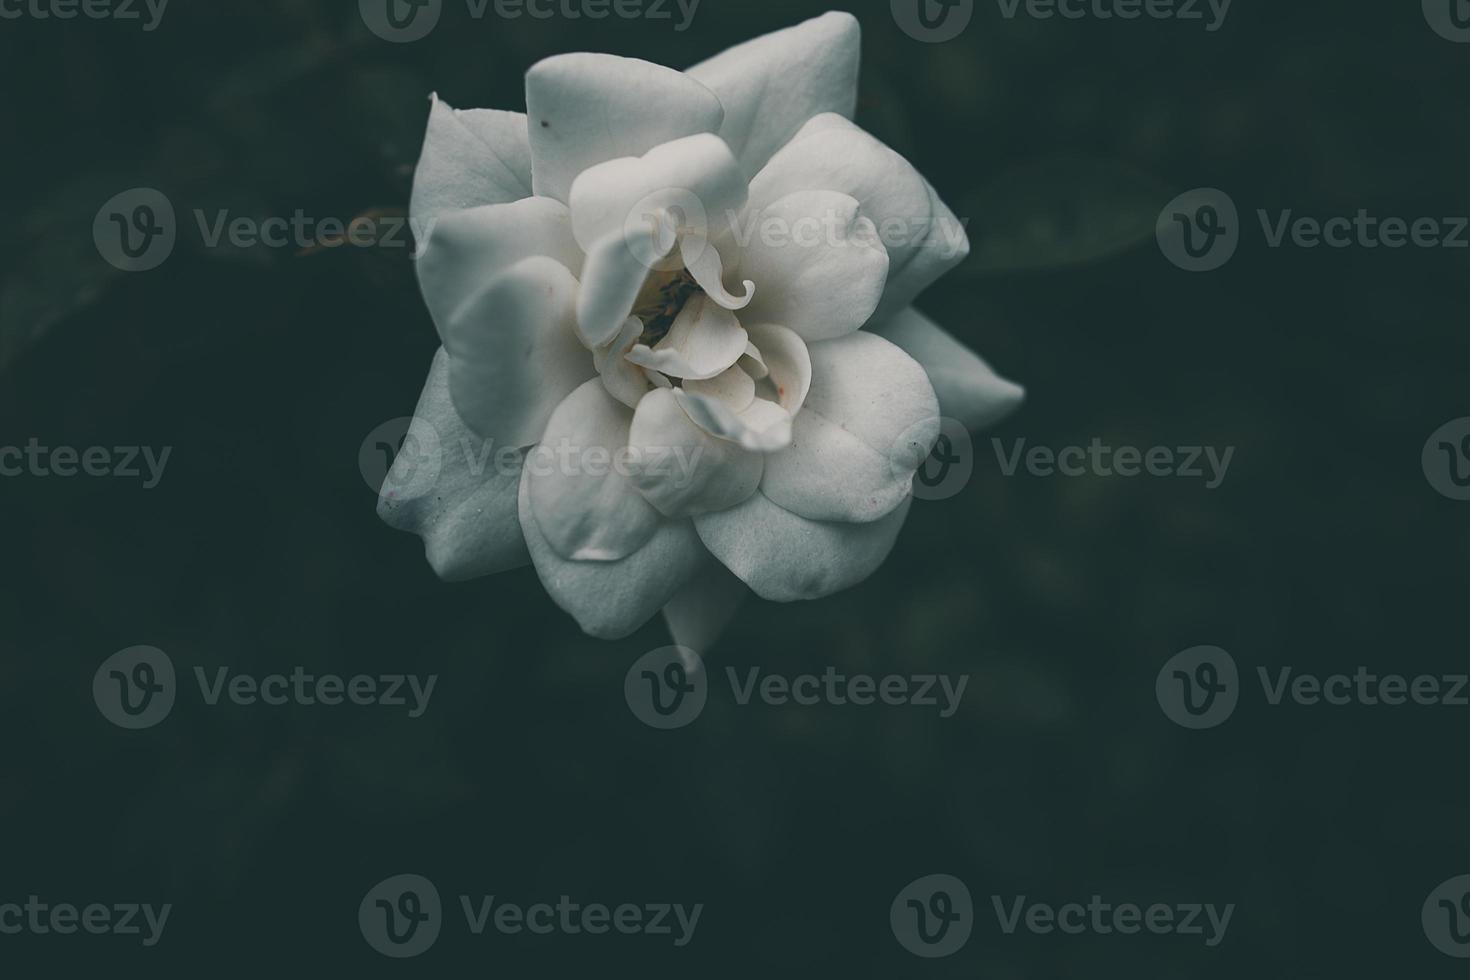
{"x": 664, "y": 274}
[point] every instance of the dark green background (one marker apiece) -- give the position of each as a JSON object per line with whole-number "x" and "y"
{"x": 528, "y": 778}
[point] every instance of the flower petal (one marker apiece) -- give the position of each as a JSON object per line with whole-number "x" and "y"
{"x": 616, "y": 269}
{"x": 470, "y": 157}
{"x": 454, "y": 490}
{"x": 733, "y": 386}
{"x": 704, "y": 340}
{"x": 586, "y": 509}
{"x": 922, "y": 237}
{"x": 624, "y": 380}
{"x": 769, "y": 86}
{"x": 513, "y": 355}
{"x": 817, "y": 263}
{"x": 468, "y": 247}
{"x": 968, "y": 389}
{"x": 585, "y": 108}
{"x": 784, "y": 557}
{"x": 944, "y": 246}
{"x": 787, "y": 361}
{"x": 703, "y": 261}
{"x": 869, "y": 420}
{"x": 611, "y": 599}
{"x": 694, "y": 179}
{"x": 699, "y": 612}
{"x": 680, "y": 468}
{"x": 762, "y": 426}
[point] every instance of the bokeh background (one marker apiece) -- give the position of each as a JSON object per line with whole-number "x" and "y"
{"x": 1325, "y": 548}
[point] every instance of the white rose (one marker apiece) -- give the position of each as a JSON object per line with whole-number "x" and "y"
{"x": 688, "y": 295}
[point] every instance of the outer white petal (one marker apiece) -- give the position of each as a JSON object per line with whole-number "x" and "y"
{"x": 584, "y": 109}
{"x": 923, "y": 239}
{"x": 869, "y": 420}
{"x": 586, "y": 509}
{"x": 467, "y": 248}
{"x": 699, "y": 612}
{"x": 611, "y": 599}
{"x": 513, "y": 353}
{"x": 784, "y": 557}
{"x": 945, "y": 246}
{"x": 817, "y": 263}
{"x": 470, "y": 157}
{"x": 459, "y": 500}
{"x": 681, "y": 469}
{"x": 772, "y": 84}
{"x": 968, "y": 389}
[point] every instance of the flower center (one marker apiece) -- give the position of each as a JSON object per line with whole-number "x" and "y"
{"x": 659, "y": 301}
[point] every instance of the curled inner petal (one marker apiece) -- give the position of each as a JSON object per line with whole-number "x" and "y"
{"x": 702, "y": 260}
